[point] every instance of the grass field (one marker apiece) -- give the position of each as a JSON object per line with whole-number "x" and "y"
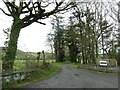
{"x": 20, "y": 65}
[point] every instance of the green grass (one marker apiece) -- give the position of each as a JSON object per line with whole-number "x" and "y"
{"x": 28, "y": 64}
{"x": 24, "y": 65}
{"x": 91, "y": 70}
{"x": 20, "y": 65}
{"x": 75, "y": 65}
{"x": 42, "y": 74}
{"x": 100, "y": 72}
{"x": 50, "y": 61}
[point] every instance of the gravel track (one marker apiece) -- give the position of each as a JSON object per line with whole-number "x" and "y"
{"x": 70, "y": 77}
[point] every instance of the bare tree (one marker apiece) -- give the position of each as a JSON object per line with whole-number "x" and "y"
{"x": 24, "y": 14}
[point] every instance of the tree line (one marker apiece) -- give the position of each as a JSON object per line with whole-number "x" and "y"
{"x": 90, "y": 33}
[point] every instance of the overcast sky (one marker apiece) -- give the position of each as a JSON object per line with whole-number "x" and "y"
{"x": 32, "y": 38}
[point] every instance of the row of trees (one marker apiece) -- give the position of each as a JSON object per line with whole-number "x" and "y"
{"x": 82, "y": 38}
{"x": 89, "y": 33}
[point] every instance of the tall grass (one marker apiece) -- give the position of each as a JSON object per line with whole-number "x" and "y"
{"x": 20, "y": 65}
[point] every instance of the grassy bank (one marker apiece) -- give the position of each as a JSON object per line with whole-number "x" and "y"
{"x": 87, "y": 68}
{"x": 41, "y": 74}
{"x": 24, "y": 65}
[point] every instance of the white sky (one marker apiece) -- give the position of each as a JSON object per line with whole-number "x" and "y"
{"x": 32, "y": 38}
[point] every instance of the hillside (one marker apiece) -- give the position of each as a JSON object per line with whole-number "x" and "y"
{"x": 28, "y": 55}
{"x": 48, "y": 55}
{"x": 20, "y": 54}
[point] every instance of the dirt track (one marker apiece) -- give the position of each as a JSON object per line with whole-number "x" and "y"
{"x": 70, "y": 77}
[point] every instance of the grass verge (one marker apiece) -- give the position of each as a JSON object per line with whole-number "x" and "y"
{"x": 92, "y": 70}
{"x": 41, "y": 74}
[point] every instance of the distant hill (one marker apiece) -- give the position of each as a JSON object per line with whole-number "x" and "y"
{"x": 20, "y": 54}
{"x": 48, "y": 55}
{"x": 28, "y": 55}
{"x": 24, "y": 55}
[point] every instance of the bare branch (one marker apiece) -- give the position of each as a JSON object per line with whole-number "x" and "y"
{"x": 5, "y": 12}
{"x": 39, "y": 5}
{"x": 115, "y": 19}
{"x": 34, "y": 10}
{"x": 13, "y": 1}
{"x": 40, "y": 22}
{"x": 26, "y": 18}
{"x": 46, "y": 5}
{"x": 20, "y": 7}
{"x": 27, "y": 24}
{"x": 24, "y": 12}
{"x": 29, "y": 9}
{"x": 13, "y": 6}
{"x": 33, "y": 7}
{"x": 30, "y": 20}
{"x": 27, "y": 5}
{"x": 8, "y": 7}
{"x": 57, "y": 9}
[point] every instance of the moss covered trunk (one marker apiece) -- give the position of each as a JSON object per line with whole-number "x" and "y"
{"x": 12, "y": 45}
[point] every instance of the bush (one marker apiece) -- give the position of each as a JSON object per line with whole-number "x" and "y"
{"x": 32, "y": 64}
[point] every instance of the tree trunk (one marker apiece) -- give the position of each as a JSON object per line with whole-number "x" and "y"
{"x": 70, "y": 53}
{"x": 93, "y": 54}
{"x": 43, "y": 57}
{"x": 38, "y": 56}
{"x": 56, "y": 48}
{"x": 83, "y": 56}
{"x": 96, "y": 49}
{"x": 52, "y": 53}
{"x": 103, "y": 46}
{"x": 12, "y": 45}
